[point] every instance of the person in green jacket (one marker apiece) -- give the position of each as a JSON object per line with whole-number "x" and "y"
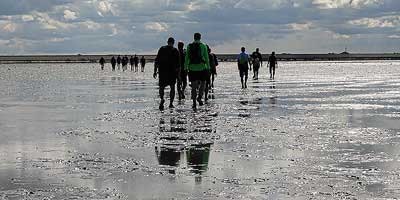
{"x": 198, "y": 66}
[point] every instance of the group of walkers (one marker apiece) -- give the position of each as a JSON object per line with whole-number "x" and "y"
{"x": 196, "y": 62}
{"x": 176, "y": 65}
{"x": 122, "y": 62}
{"x": 245, "y": 62}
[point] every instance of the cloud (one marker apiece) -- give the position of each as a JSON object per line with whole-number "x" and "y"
{"x": 90, "y": 26}
{"x": 331, "y": 4}
{"x": 156, "y": 26}
{"x": 380, "y": 22}
{"x": 70, "y": 15}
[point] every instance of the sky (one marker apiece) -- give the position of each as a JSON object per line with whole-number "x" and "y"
{"x": 142, "y": 26}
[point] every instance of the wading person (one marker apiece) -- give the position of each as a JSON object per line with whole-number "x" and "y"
{"x": 113, "y": 63}
{"x": 182, "y": 81}
{"x": 167, "y": 66}
{"x": 213, "y": 63}
{"x": 213, "y": 67}
{"x": 102, "y": 61}
{"x": 257, "y": 61}
{"x": 136, "y": 61}
{"x": 131, "y": 62}
{"x": 125, "y": 61}
{"x": 119, "y": 62}
{"x": 243, "y": 66}
{"x": 197, "y": 64}
{"x": 272, "y": 62}
{"x": 142, "y": 63}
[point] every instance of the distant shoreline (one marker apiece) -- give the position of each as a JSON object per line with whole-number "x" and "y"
{"x": 221, "y": 57}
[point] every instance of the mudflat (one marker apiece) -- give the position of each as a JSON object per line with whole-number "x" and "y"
{"x": 321, "y": 130}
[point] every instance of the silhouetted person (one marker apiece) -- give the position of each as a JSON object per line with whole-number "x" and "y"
{"x": 243, "y": 66}
{"x": 272, "y": 62}
{"x": 142, "y": 63}
{"x": 102, "y": 61}
{"x": 182, "y": 80}
{"x": 113, "y": 63}
{"x": 257, "y": 61}
{"x": 213, "y": 63}
{"x": 136, "y": 61}
{"x": 197, "y": 64}
{"x": 119, "y": 59}
{"x": 125, "y": 61}
{"x": 131, "y": 62}
{"x": 167, "y": 66}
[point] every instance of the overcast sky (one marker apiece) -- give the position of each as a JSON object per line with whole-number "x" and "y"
{"x": 142, "y": 26}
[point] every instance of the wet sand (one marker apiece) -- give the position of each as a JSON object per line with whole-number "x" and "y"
{"x": 321, "y": 130}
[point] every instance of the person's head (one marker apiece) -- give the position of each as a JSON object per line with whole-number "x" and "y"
{"x": 243, "y": 49}
{"x": 171, "y": 41}
{"x": 257, "y": 50}
{"x": 180, "y": 45}
{"x": 197, "y": 36}
{"x": 273, "y": 53}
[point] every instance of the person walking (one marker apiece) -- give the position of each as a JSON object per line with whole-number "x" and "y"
{"x": 142, "y": 63}
{"x": 243, "y": 66}
{"x": 272, "y": 62}
{"x": 182, "y": 81}
{"x": 119, "y": 62}
{"x": 257, "y": 61}
{"x": 136, "y": 61}
{"x": 213, "y": 63}
{"x": 131, "y": 62}
{"x": 125, "y": 61}
{"x": 102, "y": 61}
{"x": 113, "y": 63}
{"x": 197, "y": 64}
{"x": 167, "y": 66}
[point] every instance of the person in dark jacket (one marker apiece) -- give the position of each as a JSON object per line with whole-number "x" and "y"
{"x": 136, "y": 61}
{"x": 167, "y": 66}
{"x": 113, "y": 63}
{"x": 102, "y": 61}
{"x": 142, "y": 63}
{"x": 272, "y": 62}
{"x": 257, "y": 61}
{"x": 119, "y": 60}
{"x": 210, "y": 79}
{"x": 182, "y": 81}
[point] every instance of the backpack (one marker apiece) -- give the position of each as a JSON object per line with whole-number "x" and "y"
{"x": 243, "y": 59}
{"x": 195, "y": 53}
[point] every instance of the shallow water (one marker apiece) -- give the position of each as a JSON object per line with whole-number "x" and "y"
{"x": 321, "y": 130}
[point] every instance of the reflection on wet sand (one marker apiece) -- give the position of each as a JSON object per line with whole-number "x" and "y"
{"x": 182, "y": 138}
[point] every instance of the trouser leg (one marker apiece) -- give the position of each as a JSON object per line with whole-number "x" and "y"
{"x": 195, "y": 85}
{"x": 201, "y": 89}
{"x": 172, "y": 94}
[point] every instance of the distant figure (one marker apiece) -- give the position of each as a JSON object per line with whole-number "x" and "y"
{"x": 182, "y": 80}
{"x": 243, "y": 66}
{"x": 113, "y": 63}
{"x": 131, "y": 62}
{"x": 142, "y": 63}
{"x": 167, "y": 66}
{"x": 272, "y": 62}
{"x": 102, "y": 61}
{"x": 198, "y": 65}
{"x": 119, "y": 62}
{"x": 125, "y": 61}
{"x": 136, "y": 61}
{"x": 213, "y": 63}
{"x": 257, "y": 61}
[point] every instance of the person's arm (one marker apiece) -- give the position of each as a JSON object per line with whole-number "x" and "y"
{"x": 156, "y": 63}
{"x": 187, "y": 61}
